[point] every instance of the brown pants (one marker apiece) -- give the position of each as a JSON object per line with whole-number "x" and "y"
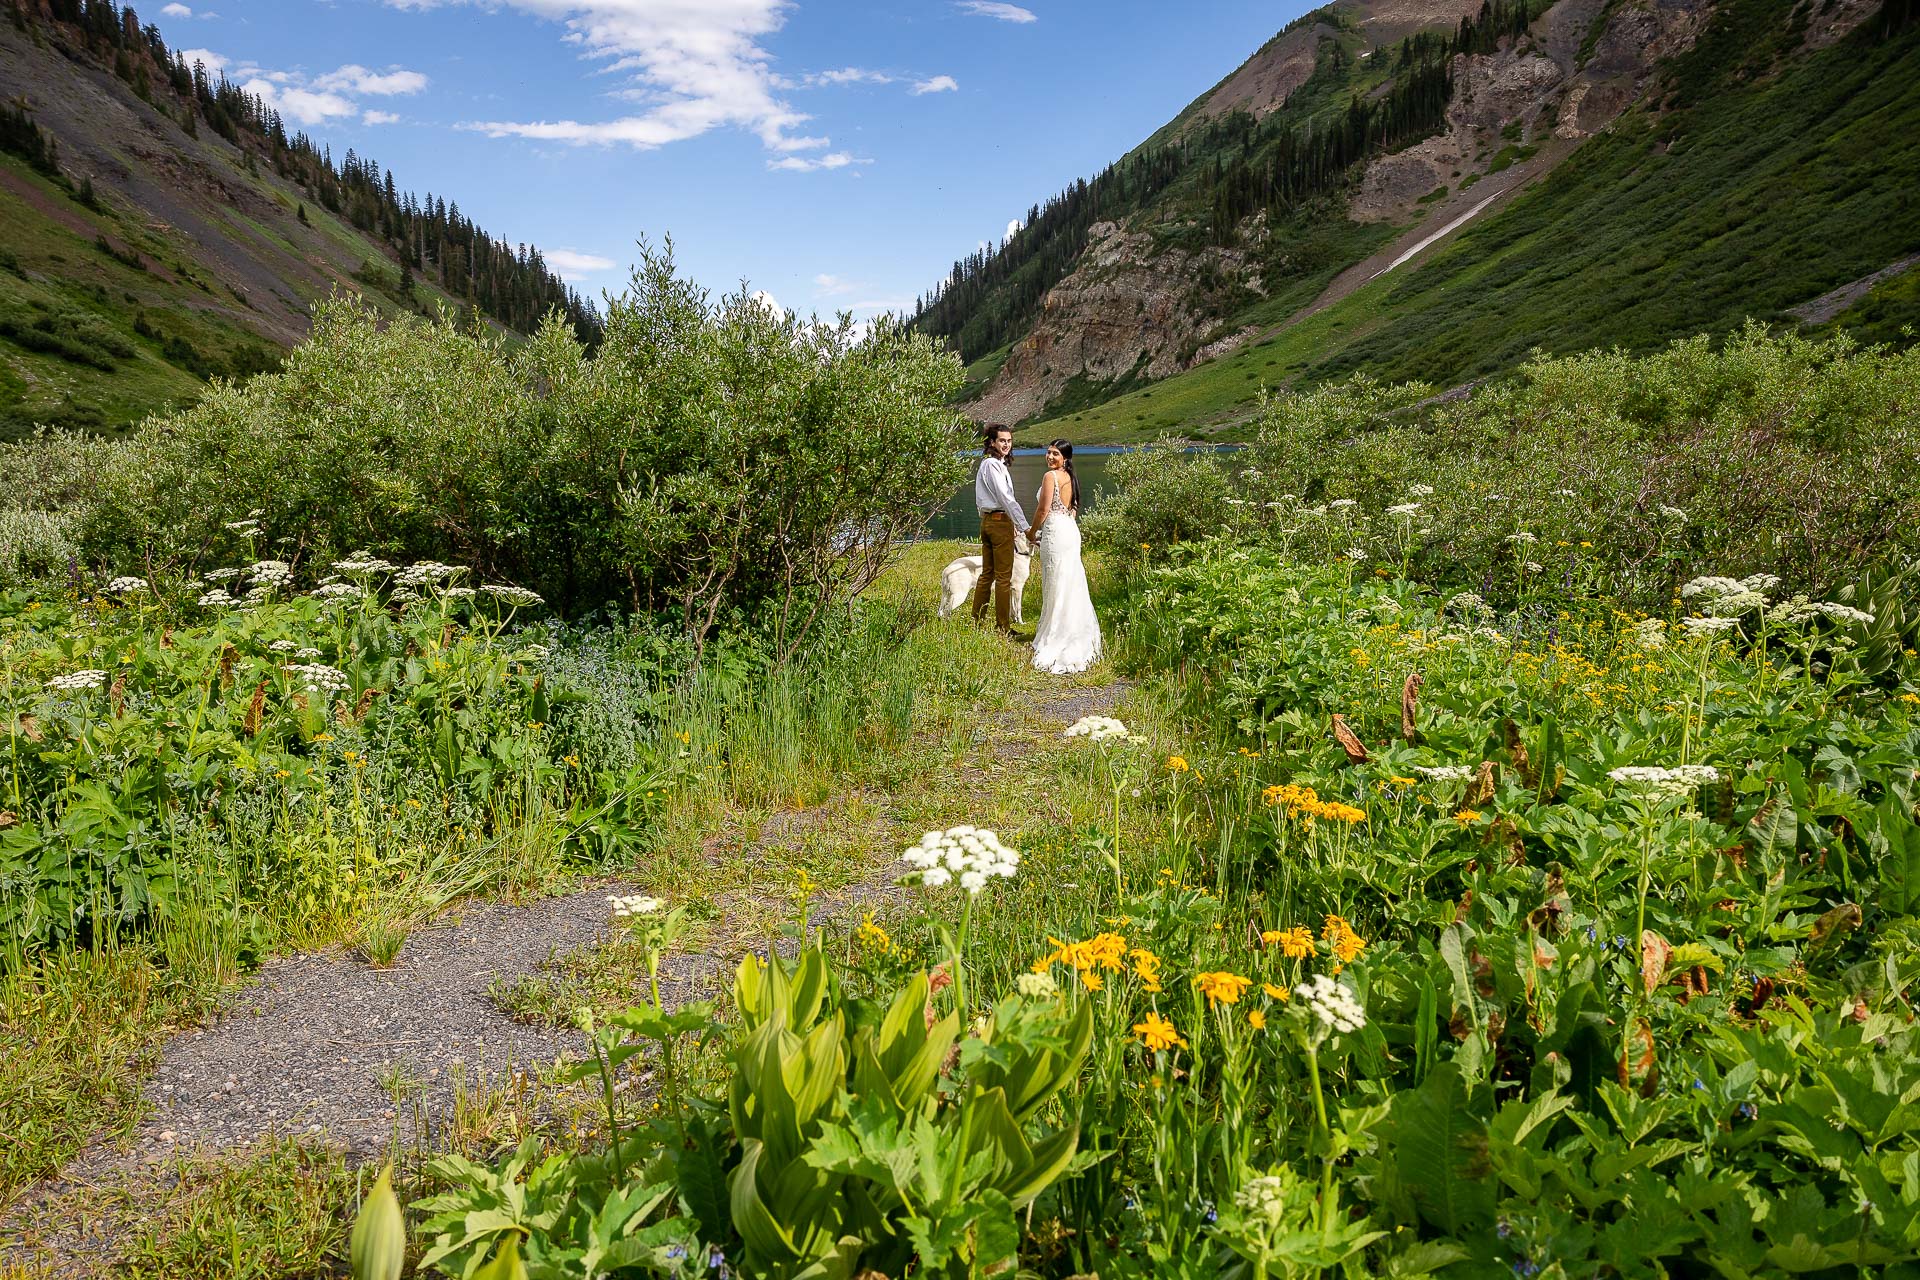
{"x": 996, "y": 569}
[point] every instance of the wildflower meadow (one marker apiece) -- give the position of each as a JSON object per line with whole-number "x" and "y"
{"x": 1429, "y": 884}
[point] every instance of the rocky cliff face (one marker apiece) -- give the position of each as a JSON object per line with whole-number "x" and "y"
{"x": 1129, "y": 309}
{"x": 1126, "y": 311}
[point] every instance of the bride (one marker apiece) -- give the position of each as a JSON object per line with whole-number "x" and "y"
{"x": 1068, "y": 638}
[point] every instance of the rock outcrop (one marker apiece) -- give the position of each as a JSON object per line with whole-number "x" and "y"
{"x": 1126, "y": 311}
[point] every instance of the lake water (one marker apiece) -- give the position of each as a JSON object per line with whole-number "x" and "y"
{"x": 958, "y": 519}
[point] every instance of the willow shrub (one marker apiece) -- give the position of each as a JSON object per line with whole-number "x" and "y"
{"x": 1759, "y": 454}
{"x": 709, "y": 457}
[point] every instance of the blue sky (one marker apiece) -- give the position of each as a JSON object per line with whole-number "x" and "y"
{"x": 834, "y": 153}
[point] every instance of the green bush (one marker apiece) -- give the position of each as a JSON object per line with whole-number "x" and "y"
{"x": 705, "y": 458}
{"x": 1766, "y": 454}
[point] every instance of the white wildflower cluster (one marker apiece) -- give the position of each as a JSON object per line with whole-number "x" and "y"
{"x": 282, "y": 646}
{"x": 1843, "y": 613}
{"x": 1469, "y": 605}
{"x": 1800, "y": 610}
{"x": 1444, "y": 772}
{"x": 318, "y": 677}
{"x": 338, "y": 591}
{"x": 1036, "y": 986}
{"x": 1097, "y": 728}
{"x": 1650, "y": 634}
{"x": 532, "y": 653}
{"x": 1264, "y": 1197}
{"x": 972, "y": 855}
{"x": 1332, "y": 1003}
{"x": 425, "y": 574}
{"x": 1405, "y": 510}
{"x": 1420, "y": 490}
{"x": 222, "y": 575}
{"x": 76, "y": 680}
{"x": 1670, "y": 784}
{"x": 1708, "y": 626}
{"x": 306, "y": 654}
{"x": 125, "y": 585}
{"x": 1714, "y": 587}
{"x": 634, "y": 904}
{"x": 457, "y": 593}
{"x": 275, "y": 573}
{"x": 361, "y": 565}
{"x": 1534, "y": 566}
{"x": 248, "y": 528}
{"x": 1356, "y": 553}
{"x": 1341, "y": 504}
{"x": 1523, "y": 538}
{"x": 1565, "y": 493}
{"x": 1674, "y": 514}
{"x": 517, "y": 597}
{"x": 216, "y": 598}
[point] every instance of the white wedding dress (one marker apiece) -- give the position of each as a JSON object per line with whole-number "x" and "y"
{"x": 1068, "y": 638}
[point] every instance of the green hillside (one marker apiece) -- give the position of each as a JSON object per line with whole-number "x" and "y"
{"x": 1756, "y": 181}
{"x": 158, "y": 228}
{"x": 1198, "y": 178}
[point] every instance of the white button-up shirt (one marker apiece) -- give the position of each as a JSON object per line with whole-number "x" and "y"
{"x": 993, "y": 491}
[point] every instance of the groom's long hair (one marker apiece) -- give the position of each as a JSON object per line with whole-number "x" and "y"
{"x": 1066, "y": 453}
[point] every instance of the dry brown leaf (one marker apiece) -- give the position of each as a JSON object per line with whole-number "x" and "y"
{"x": 1517, "y": 752}
{"x": 1409, "y": 705}
{"x": 30, "y": 729}
{"x": 8, "y": 819}
{"x": 1654, "y": 951}
{"x": 1639, "y": 1061}
{"x": 1349, "y": 740}
{"x": 256, "y": 710}
{"x": 1480, "y": 790}
{"x": 1835, "y": 924}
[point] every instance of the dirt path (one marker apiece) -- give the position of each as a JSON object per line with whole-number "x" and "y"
{"x": 324, "y": 1048}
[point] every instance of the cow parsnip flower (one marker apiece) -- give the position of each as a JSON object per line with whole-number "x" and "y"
{"x": 1332, "y": 1003}
{"x": 971, "y": 855}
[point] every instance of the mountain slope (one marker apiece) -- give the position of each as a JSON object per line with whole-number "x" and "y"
{"x": 1656, "y": 169}
{"x": 157, "y": 228}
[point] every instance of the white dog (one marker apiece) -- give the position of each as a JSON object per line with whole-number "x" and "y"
{"x": 958, "y": 579}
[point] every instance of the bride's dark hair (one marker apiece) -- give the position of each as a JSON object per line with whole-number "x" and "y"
{"x": 1066, "y": 452}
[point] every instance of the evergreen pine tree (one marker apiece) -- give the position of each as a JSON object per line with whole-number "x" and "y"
{"x": 300, "y": 216}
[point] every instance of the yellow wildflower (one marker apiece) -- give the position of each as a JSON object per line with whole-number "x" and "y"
{"x": 1177, "y": 764}
{"x": 1275, "y": 992}
{"x": 1146, "y": 967}
{"x": 1467, "y": 817}
{"x": 1157, "y": 1033}
{"x": 1346, "y": 943}
{"x": 1222, "y": 987}
{"x": 1295, "y": 943}
{"x": 873, "y": 937}
{"x": 1257, "y": 1019}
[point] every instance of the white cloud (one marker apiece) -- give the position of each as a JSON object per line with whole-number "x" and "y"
{"x": 811, "y": 164}
{"x": 994, "y": 9}
{"x": 324, "y": 98}
{"x": 304, "y": 105}
{"x": 846, "y": 75}
{"x": 937, "y": 84}
{"x": 830, "y": 285}
{"x": 768, "y": 302}
{"x": 176, "y": 11}
{"x": 1014, "y": 225}
{"x": 354, "y": 78}
{"x": 573, "y": 265}
{"x": 702, "y": 58}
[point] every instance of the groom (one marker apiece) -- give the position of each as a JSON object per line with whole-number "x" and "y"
{"x": 1000, "y": 520}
